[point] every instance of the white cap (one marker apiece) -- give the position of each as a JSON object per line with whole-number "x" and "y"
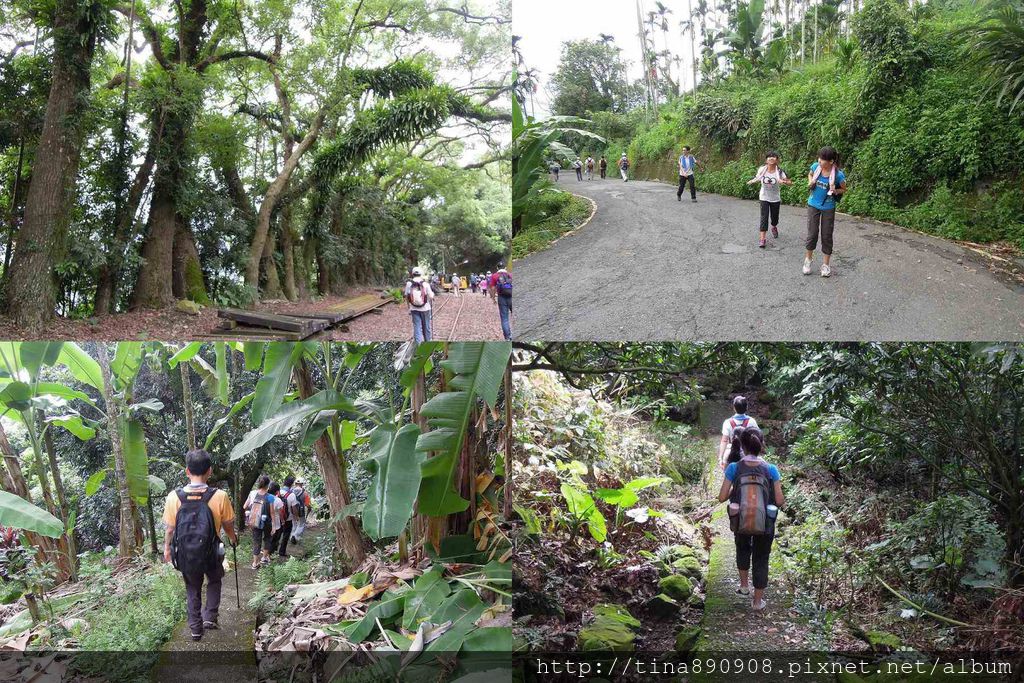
{"x": 417, "y": 271}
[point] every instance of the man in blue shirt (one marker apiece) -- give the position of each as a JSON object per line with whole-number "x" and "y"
{"x": 826, "y": 183}
{"x": 687, "y": 165}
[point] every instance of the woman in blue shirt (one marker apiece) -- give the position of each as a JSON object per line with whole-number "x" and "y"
{"x": 753, "y": 549}
{"x": 826, "y": 183}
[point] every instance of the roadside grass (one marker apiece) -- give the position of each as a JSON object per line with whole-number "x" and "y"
{"x": 569, "y": 213}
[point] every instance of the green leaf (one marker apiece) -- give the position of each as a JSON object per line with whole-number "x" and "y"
{"x": 420, "y": 362}
{"x": 646, "y": 482}
{"x": 62, "y": 391}
{"x": 348, "y": 434}
{"x": 82, "y": 365}
{"x": 478, "y": 369}
{"x": 127, "y": 361}
{"x": 253, "y": 352}
{"x": 136, "y": 463}
{"x": 489, "y": 639}
{"x": 288, "y": 417}
{"x": 18, "y": 513}
{"x": 277, "y": 373}
{"x": 623, "y": 497}
{"x": 426, "y": 596}
{"x": 94, "y": 482}
{"x": 153, "y": 405}
{"x": 35, "y": 355}
{"x": 16, "y": 396}
{"x": 156, "y": 485}
{"x": 221, "y": 349}
{"x": 462, "y": 608}
{"x": 582, "y": 507}
{"x": 388, "y": 607}
{"x": 184, "y": 354}
{"x": 240, "y": 404}
{"x": 394, "y": 466}
{"x": 74, "y": 424}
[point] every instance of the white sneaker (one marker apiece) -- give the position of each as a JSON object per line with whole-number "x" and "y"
{"x": 826, "y": 270}
{"x": 807, "y": 266}
{"x": 760, "y": 607}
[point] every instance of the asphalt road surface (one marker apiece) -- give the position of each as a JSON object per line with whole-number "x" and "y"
{"x": 650, "y": 268}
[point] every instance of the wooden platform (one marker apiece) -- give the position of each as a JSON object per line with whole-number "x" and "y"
{"x": 257, "y": 325}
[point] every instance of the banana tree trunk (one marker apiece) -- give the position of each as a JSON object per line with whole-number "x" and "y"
{"x": 127, "y": 530}
{"x": 348, "y": 539}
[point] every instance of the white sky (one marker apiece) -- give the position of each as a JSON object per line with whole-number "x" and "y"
{"x": 545, "y": 24}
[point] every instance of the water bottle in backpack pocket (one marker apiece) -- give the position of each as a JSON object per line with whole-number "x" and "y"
{"x": 257, "y": 517}
{"x": 749, "y": 504}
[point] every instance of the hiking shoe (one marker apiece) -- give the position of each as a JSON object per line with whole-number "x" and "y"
{"x": 265, "y": 562}
{"x": 694, "y": 201}
{"x": 743, "y": 592}
{"x": 826, "y": 270}
{"x": 197, "y": 636}
{"x": 775, "y": 232}
{"x": 807, "y": 266}
{"x": 679, "y": 197}
{"x": 210, "y": 626}
{"x": 761, "y": 243}
{"x": 761, "y": 607}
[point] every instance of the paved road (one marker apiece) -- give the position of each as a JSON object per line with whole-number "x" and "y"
{"x": 650, "y": 268}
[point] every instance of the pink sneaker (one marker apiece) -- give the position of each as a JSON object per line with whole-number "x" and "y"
{"x": 762, "y": 242}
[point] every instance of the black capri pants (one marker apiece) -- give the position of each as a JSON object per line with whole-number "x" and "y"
{"x": 754, "y": 549}
{"x": 769, "y": 209}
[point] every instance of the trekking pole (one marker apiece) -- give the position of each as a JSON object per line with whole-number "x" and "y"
{"x": 234, "y": 556}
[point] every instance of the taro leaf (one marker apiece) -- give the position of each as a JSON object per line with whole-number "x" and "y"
{"x": 462, "y": 608}
{"x": 646, "y": 482}
{"x": 583, "y": 508}
{"x": 386, "y": 609}
{"x": 394, "y": 465}
{"x": 426, "y": 596}
{"x": 623, "y": 497}
{"x": 238, "y": 405}
{"x": 93, "y": 483}
{"x": 477, "y": 370}
{"x": 18, "y": 513}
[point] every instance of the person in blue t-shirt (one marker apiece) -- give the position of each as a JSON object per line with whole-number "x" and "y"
{"x": 753, "y": 549}
{"x": 687, "y": 165}
{"x": 826, "y": 183}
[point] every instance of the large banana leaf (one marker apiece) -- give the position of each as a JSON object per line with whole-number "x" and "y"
{"x": 35, "y": 355}
{"x": 126, "y": 363}
{"x": 184, "y": 354}
{"x": 288, "y": 417}
{"x": 477, "y": 370}
{"x": 394, "y": 464}
{"x": 253, "y": 352}
{"x": 136, "y": 463}
{"x": 278, "y": 362}
{"x": 82, "y": 365}
{"x": 18, "y": 513}
{"x": 239, "y": 405}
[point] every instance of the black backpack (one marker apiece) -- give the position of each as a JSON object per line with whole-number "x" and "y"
{"x": 194, "y": 546}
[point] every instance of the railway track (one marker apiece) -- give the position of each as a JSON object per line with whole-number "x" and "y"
{"x": 455, "y": 323}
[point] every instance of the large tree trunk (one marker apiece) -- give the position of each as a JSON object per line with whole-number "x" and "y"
{"x": 187, "y": 280}
{"x": 108, "y": 276}
{"x": 348, "y": 539}
{"x": 30, "y": 285}
{"x": 288, "y": 251}
{"x": 271, "y": 280}
{"x": 153, "y": 284}
{"x": 128, "y": 529}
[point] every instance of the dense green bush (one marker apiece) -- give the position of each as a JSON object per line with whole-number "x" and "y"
{"x": 554, "y": 214}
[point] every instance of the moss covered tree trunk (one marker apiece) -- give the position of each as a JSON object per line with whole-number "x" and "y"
{"x": 271, "y": 279}
{"x": 30, "y": 286}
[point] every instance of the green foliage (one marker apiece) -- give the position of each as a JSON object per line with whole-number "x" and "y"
{"x": 271, "y": 580}
{"x": 583, "y": 511}
{"x": 18, "y": 513}
{"x": 997, "y": 45}
{"x": 590, "y": 77}
{"x": 884, "y": 31}
{"x": 554, "y": 213}
{"x": 396, "y": 480}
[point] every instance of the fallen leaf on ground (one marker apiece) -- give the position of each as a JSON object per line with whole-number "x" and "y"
{"x": 351, "y": 594}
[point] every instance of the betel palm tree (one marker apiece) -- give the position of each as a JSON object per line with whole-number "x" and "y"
{"x": 997, "y": 44}
{"x": 745, "y": 43}
{"x": 689, "y": 26}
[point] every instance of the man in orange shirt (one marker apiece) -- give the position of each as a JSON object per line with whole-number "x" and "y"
{"x": 195, "y": 515}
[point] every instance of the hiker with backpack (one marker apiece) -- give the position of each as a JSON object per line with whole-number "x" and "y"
{"x": 753, "y": 488}
{"x": 279, "y": 511}
{"x": 418, "y": 295}
{"x": 827, "y": 185}
{"x": 688, "y": 165}
{"x": 195, "y": 515}
{"x": 603, "y": 166}
{"x": 484, "y": 282}
{"x": 772, "y": 178}
{"x": 740, "y": 419}
{"x": 501, "y": 293}
{"x": 590, "y": 167}
{"x": 578, "y": 167}
{"x": 301, "y": 506}
{"x": 261, "y": 520}
{"x": 624, "y": 167}
{"x": 287, "y": 525}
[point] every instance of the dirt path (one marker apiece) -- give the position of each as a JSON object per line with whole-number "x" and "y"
{"x": 228, "y": 652}
{"x": 729, "y": 624}
{"x": 649, "y": 268}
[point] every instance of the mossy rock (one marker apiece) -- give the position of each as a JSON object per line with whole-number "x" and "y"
{"x": 677, "y": 552}
{"x": 188, "y": 306}
{"x": 687, "y": 639}
{"x": 689, "y": 566}
{"x": 677, "y": 587}
{"x": 611, "y": 630}
{"x": 663, "y": 606}
{"x": 882, "y": 641}
{"x": 695, "y": 600}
